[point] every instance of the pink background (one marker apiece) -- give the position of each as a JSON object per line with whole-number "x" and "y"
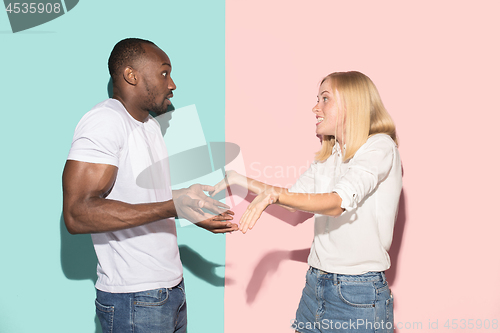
{"x": 436, "y": 65}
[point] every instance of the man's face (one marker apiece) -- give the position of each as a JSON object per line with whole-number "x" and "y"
{"x": 158, "y": 85}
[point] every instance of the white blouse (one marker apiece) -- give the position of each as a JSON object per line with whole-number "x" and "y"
{"x": 369, "y": 184}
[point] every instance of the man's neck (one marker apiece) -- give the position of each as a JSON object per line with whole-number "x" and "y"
{"x": 132, "y": 109}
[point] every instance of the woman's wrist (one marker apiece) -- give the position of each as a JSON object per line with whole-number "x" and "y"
{"x": 274, "y": 195}
{"x": 282, "y": 196}
{"x": 234, "y": 178}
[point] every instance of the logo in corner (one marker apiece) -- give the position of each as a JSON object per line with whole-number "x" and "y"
{"x": 26, "y": 15}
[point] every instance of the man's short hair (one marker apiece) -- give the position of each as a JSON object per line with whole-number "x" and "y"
{"x": 125, "y": 53}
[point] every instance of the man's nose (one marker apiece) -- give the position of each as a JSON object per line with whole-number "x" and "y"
{"x": 171, "y": 85}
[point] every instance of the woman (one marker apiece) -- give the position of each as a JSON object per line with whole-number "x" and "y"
{"x": 353, "y": 187}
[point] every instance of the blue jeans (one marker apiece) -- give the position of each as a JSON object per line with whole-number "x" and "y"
{"x": 157, "y": 310}
{"x": 345, "y": 303}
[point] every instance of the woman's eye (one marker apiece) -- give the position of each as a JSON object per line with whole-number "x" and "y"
{"x": 325, "y": 99}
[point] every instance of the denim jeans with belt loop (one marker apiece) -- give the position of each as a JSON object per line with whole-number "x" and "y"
{"x": 158, "y": 310}
{"x": 345, "y": 303}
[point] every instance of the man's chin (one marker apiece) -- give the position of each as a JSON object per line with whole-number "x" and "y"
{"x": 160, "y": 112}
{"x": 161, "y": 109}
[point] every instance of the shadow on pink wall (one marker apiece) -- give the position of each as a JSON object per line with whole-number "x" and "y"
{"x": 268, "y": 265}
{"x": 399, "y": 228}
{"x": 271, "y": 261}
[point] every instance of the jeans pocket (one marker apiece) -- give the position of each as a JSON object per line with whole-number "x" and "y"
{"x": 381, "y": 287}
{"x": 156, "y": 297}
{"x": 105, "y": 314}
{"x": 182, "y": 288}
{"x": 357, "y": 294}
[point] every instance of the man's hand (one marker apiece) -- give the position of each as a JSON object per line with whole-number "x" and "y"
{"x": 219, "y": 224}
{"x": 197, "y": 191}
{"x": 189, "y": 203}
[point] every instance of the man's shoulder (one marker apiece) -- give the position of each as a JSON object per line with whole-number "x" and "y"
{"x": 106, "y": 119}
{"x": 109, "y": 115}
{"x": 108, "y": 109}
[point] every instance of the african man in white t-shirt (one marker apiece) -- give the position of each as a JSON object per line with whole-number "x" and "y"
{"x": 140, "y": 286}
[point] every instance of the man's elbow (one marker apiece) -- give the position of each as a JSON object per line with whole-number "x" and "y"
{"x": 71, "y": 223}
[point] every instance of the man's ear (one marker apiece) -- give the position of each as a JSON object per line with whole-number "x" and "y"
{"x": 129, "y": 74}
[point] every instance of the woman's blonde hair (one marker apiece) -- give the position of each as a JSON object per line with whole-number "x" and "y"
{"x": 365, "y": 114}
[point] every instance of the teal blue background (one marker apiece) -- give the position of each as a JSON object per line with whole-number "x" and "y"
{"x": 52, "y": 75}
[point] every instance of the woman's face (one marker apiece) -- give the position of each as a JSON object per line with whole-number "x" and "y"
{"x": 329, "y": 121}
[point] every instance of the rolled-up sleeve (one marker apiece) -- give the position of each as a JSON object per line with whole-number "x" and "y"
{"x": 370, "y": 165}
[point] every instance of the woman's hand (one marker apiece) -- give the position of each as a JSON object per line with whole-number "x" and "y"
{"x": 231, "y": 178}
{"x": 255, "y": 209}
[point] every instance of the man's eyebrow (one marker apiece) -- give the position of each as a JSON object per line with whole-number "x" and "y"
{"x": 166, "y": 64}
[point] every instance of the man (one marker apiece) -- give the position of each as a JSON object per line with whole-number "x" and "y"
{"x": 115, "y": 147}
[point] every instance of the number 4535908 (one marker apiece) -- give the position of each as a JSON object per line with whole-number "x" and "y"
{"x": 471, "y": 324}
{"x": 33, "y": 7}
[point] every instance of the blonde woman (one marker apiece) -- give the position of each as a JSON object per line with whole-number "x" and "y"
{"x": 353, "y": 187}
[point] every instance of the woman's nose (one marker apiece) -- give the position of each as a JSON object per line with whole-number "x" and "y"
{"x": 315, "y": 109}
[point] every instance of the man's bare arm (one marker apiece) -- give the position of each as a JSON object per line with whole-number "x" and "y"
{"x": 86, "y": 210}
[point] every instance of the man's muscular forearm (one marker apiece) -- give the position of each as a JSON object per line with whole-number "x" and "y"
{"x": 95, "y": 215}
{"x": 86, "y": 210}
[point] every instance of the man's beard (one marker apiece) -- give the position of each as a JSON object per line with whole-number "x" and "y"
{"x": 152, "y": 106}
{"x": 158, "y": 109}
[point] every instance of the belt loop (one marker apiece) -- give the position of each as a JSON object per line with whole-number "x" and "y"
{"x": 383, "y": 277}
{"x": 334, "y": 279}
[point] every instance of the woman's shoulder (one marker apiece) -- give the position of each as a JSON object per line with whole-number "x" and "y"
{"x": 379, "y": 144}
{"x": 379, "y": 141}
{"x": 382, "y": 138}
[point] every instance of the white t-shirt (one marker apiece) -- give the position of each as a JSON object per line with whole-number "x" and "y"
{"x": 144, "y": 257}
{"x": 369, "y": 184}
